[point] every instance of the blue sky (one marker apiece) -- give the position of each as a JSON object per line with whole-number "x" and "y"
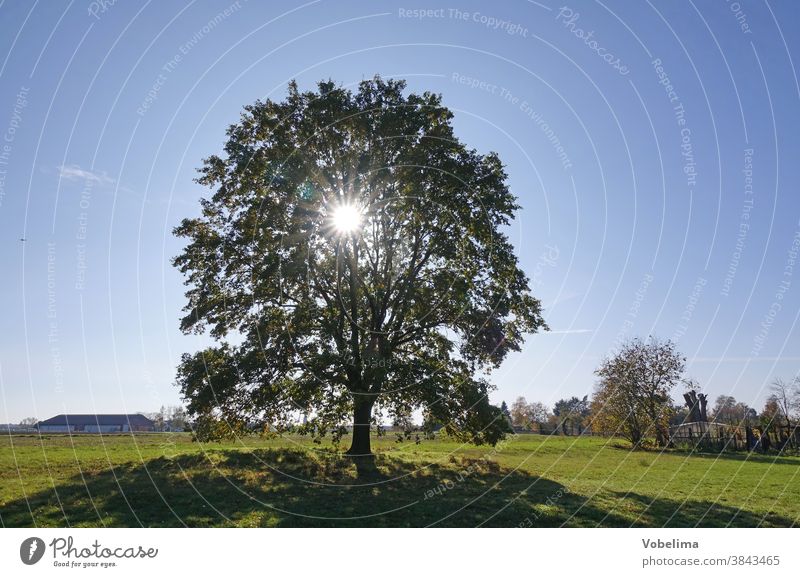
{"x": 653, "y": 147}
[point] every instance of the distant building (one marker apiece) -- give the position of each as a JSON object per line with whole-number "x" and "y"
{"x": 96, "y": 424}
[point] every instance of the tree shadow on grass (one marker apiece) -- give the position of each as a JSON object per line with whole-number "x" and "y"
{"x": 291, "y": 487}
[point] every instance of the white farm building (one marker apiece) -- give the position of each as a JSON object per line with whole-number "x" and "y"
{"x": 96, "y": 424}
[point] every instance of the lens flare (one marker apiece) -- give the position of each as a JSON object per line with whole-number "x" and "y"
{"x": 346, "y": 218}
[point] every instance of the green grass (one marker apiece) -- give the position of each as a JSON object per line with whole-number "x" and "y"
{"x": 530, "y": 480}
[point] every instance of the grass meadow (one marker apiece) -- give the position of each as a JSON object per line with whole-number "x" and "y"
{"x": 166, "y": 480}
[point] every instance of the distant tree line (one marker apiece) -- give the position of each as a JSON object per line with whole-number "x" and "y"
{"x": 568, "y": 416}
{"x": 171, "y": 418}
{"x": 633, "y": 400}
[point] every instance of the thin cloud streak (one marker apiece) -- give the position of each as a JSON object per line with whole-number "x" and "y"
{"x": 73, "y": 172}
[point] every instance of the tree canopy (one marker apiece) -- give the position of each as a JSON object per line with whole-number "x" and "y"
{"x": 571, "y": 413}
{"x": 527, "y": 415}
{"x": 632, "y": 398}
{"x": 727, "y": 410}
{"x": 351, "y": 261}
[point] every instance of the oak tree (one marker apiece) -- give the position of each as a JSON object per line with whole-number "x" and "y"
{"x": 351, "y": 262}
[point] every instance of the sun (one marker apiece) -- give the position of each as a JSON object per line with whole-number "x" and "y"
{"x": 346, "y": 218}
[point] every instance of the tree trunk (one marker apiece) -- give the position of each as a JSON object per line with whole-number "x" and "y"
{"x": 362, "y": 415}
{"x": 660, "y": 438}
{"x": 636, "y": 438}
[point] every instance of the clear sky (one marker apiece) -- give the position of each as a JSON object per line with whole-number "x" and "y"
{"x": 653, "y": 147}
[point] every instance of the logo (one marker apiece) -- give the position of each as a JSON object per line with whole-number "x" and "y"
{"x": 31, "y": 550}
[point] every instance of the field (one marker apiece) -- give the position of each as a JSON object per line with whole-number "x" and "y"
{"x": 529, "y": 480}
